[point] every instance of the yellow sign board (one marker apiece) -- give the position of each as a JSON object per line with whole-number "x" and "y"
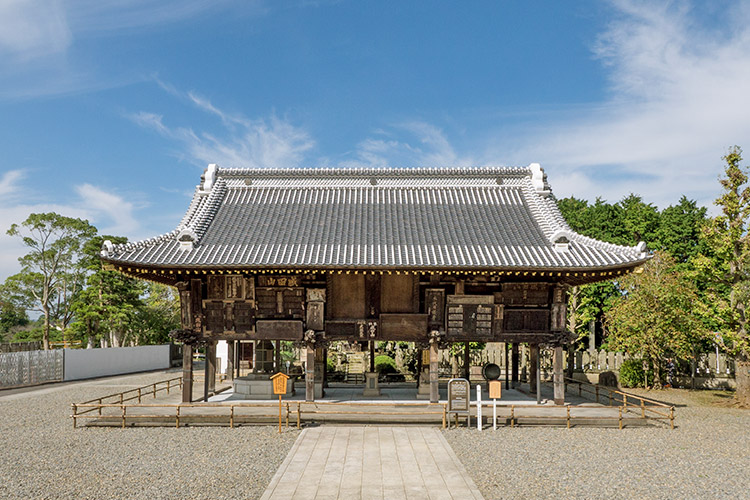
{"x": 496, "y": 389}
{"x": 279, "y": 382}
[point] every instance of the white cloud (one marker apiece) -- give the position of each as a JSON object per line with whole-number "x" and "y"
{"x": 9, "y": 183}
{"x": 244, "y": 142}
{"x": 109, "y": 211}
{"x": 39, "y": 38}
{"x": 415, "y": 143}
{"x": 33, "y": 28}
{"x": 113, "y": 207}
{"x": 679, "y": 100}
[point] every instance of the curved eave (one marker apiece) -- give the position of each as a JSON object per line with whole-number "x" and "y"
{"x": 170, "y": 274}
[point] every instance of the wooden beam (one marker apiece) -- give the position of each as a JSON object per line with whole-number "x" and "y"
{"x": 434, "y": 384}
{"x": 187, "y": 373}
{"x": 557, "y": 375}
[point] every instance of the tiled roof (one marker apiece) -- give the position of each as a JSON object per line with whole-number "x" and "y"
{"x": 426, "y": 218}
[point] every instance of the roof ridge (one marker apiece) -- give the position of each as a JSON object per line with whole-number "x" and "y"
{"x": 365, "y": 171}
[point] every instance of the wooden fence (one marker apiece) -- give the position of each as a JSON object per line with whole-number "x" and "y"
{"x": 34, "y": 345}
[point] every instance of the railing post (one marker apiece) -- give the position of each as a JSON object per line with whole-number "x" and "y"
{"x": 139, "y": 395}
{"x": 75, "y": 411}
{"x": 177, "y": 418}
{"x": 120, "y": 398}
{"x": 124, "y": 409}
{"x": 671, "y": 416}
{"x": 643, "y": 408}
{"x": 299, "y": 409}
{"x": 100, "y": 406}
{"x": 445, "y": 410}
{"x": 568, "y": 412}
{"x": 512, "y": 415}
{"x": 154, "y": 391}
{"x": 625, "y": 402}
{"x": 621, "y": 417}
{"x": 169, "y": 382}
{"x": 231, "y": 416}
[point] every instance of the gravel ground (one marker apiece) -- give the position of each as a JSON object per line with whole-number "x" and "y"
{"x": 42, "y": 456}
{"x": 706, "y": 456}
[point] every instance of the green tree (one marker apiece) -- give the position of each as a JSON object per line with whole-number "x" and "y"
{"x": 158, "y": 315}
{"x": 12, "y": 318}
{"x": 106, "y": 310}
{"x": 679, "y": 231}
{"x": 728, "y": 240}
{"x": 50, "y": 275}
{"x": 655, "y": 315}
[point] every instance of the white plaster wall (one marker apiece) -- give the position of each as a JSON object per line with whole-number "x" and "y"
{"x": 89, "y": 363}
{"x": 222, "y": 355}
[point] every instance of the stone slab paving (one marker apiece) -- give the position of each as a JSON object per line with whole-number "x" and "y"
{"x": 350, "y": 463}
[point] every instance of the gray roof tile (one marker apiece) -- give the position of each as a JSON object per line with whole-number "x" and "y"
{"x": 475, "y": 218}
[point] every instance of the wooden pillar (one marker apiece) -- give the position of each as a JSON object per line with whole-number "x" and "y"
{"x": 209, "y": 386}
{"x": 372, "y": 356}
{"x": 310, "y": 374}
{"x": 533, "y": 366}
{"x": 467, "y": 361}
{"x": 507, "y": 364}
{"x": 515, "y": 363}
{"x": 557, "y": 375}
{"x": 230, "y": 360}
{"x": 277, "y": 357}
{"x": 434, "y": 384}
{"x": 187, "y": 373}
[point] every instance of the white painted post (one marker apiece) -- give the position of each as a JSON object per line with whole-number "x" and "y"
{"x": 494, "y": 414}
{"x": 479, "y": 407}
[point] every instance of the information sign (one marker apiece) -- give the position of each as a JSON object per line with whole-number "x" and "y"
{"x": 458, "y": 395}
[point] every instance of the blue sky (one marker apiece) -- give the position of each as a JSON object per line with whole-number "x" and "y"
{"x": 111, "y": 110}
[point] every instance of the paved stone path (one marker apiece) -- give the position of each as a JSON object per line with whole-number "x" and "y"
{"x": 350, "y": 463}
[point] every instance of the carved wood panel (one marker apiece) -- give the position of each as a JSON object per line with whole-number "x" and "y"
{"x": 434, "y": 300}
{"x": 526, "y": 320}
{"x": 470, "y": 315}
{"x": 526, "y": 294}
{"x": 276, "y": 302}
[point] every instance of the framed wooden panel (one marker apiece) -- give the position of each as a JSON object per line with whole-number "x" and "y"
{"x": 278, "y": 330}
{"x": 397, "y": 293}
{"x": 214, "y": 311}
{"x": 244, "y": 317}
{"x": 526, "y": 294}
{"x": 405, "y": 327}
{"x": 347, "y": 296}
{"x": 526, "y": 320}
{"x": 341, "y": 330}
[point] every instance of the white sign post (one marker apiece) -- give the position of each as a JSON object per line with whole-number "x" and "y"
{"x": 479, "y": 407}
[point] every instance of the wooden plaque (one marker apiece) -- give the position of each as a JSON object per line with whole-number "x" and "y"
{"x": 496, "y": 389}
{"x": 406, "y": 327}
{"x": 279, "y": 382}
{"x": 470, "y": 316}
{"x": 434, "y": 302}
{"x": 278, "y": 330}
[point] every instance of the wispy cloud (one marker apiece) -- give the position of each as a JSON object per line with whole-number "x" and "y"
{"x": 679, "y": 99}
{"x": 242, "y": 142}
{"x": 9, "y": 183}
{"x": 30, "y": 29}
{"x": 39, "y": 39}
{"x": 415, "y": 143}
{"x": 110, "y": 209}
{"x": 111, "y": 212}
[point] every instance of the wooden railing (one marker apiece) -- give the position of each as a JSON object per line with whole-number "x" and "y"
{"x": 181, "y": 413}
{"x": 649, "y": 408}
{"x": 119, "y": 398}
